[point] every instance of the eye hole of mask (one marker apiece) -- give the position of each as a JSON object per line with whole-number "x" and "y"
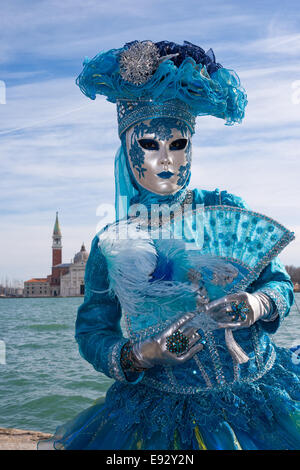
{"x": 178, "y": 144}
{"x": 149, "y": 144}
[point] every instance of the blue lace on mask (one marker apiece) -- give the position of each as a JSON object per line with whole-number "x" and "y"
{"x": 185, "y": 170}
{"x": 162, "y": 129}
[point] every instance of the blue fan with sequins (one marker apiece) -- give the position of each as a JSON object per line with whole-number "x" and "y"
{"x": 233, "y": 246}
{"x": 247, "y": 240}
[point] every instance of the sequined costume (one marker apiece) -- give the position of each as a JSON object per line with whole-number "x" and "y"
{"x": 211, "y": 401}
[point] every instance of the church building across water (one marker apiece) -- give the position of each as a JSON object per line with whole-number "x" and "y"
{"x": 66, "y": 279}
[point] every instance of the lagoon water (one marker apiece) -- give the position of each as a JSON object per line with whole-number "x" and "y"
{"x": 45, "y": 381}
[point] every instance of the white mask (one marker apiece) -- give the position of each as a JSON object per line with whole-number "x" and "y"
{"x": 159, "y": 154}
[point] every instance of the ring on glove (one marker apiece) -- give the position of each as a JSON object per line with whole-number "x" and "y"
{"x": 177, "y": 343}
{"x": 238, "y": 311}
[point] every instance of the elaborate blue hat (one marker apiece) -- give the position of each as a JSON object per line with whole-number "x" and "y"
{"x": 164, "y": 79}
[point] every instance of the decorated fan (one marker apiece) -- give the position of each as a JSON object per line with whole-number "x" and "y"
{"x": 161, "y": 272}
{"x": 247, "y": 240}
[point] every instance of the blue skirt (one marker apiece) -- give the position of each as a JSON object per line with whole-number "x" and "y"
{"x": 263, "y": 415}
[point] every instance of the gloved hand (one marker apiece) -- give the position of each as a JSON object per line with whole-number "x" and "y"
{"x": 156, "y": 350}
{"x": 239, "y": 310}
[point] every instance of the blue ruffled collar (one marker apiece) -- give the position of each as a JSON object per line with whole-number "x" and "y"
{"x": 147, "y": 198}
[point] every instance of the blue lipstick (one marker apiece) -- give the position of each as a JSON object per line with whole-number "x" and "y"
{"x": 165, "y": 174}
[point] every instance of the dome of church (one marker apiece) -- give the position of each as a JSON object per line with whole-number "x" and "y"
{"x": 81, "y": 256}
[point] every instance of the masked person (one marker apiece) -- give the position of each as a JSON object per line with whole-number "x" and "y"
{"x": 195, "y": 367}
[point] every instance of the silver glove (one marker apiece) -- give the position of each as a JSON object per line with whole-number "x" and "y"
{"x": 175, "y": 345}
{"x": 240, "y": 310}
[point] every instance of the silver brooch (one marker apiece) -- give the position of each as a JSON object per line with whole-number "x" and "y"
{"x": 139, "y": 62}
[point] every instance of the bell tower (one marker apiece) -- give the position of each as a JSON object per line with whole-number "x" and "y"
{"x": 56, "y": 245}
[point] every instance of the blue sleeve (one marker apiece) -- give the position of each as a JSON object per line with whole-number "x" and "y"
{"x": 273, "y": 280}
{"x": 98, "y": 331}
{"x": 276, "y": 283}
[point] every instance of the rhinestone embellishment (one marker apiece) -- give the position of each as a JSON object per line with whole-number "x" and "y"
{"x": 238, "y": 311}
{"x": 177, "y": 343}
{"x": 139, "y": 62}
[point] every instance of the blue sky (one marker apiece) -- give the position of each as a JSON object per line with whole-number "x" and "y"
{"x": 57, "y": 146}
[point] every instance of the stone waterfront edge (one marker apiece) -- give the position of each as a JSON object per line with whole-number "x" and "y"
{"x": 20, "y": 439}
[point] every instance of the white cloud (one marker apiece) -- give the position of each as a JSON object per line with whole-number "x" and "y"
{"x": 284, "y": 44}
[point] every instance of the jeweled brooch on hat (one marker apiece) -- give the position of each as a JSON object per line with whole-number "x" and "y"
{"x": 139, "y": 62}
